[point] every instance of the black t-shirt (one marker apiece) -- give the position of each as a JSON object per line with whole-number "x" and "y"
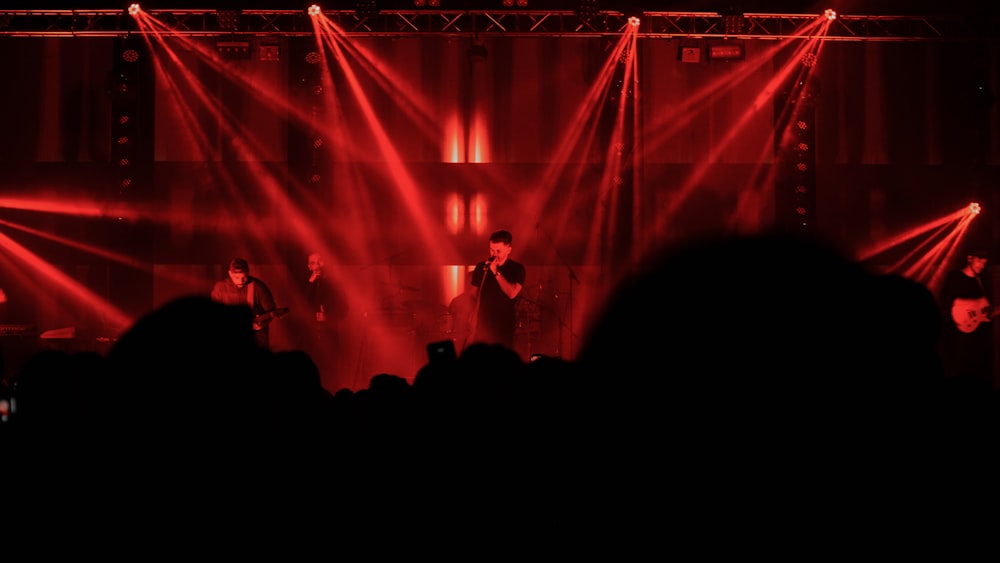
{"x": 495, "y": 319}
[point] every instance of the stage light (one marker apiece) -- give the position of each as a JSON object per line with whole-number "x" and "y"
{"x": 733, "y": 23}
{"x": 434, "y": 3}
{"x": 726, "y": 51}
{"x": 508, "y": 3}
{"x": 313, "y": 10}
{"x": 270, "y": 53}
{"x": 689, "y": 51}
{"x": 133, "y": 9}
{"x": 419, "y": 3}
{"x": 130, "y": 55}
{"x": 974, "y": 208}
{"x": 119, "y": 84}
{"x": 830, "y": 14}
{"x": 233, "y": 49}
{"x": 586, "y": 9}
{"x": 227, "y": 20}
{"x": 366, "y": 8}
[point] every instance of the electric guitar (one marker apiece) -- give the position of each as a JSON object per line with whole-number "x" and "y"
{"x": 262, "y": 320}
{"x": 968, "y": 313}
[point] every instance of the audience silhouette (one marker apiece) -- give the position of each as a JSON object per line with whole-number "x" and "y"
{"x": 714, "y": 369}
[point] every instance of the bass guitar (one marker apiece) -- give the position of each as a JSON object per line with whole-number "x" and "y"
{"x": 262, "y": 320}
{"x": 968, "y": 313}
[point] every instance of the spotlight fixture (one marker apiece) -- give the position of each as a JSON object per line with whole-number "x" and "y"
{"x": 233, "y": 49}
{"x": 313, "y": 10}
{"x": 270, "y": 52}
{"x": 733, "y": 23}
{"x": 366, "y": 8}
{"x": 726, "y": 51}
{"x": 228, "y": 20}
{"x": 587, "y": 9}
{"x": 689, "y": 51}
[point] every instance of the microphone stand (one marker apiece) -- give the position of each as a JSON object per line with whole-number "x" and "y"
{"x": 569, "y": 305}
{"x": 474, "y": 319}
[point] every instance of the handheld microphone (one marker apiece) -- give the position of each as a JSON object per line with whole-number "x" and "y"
{"x": 489, "y": 261}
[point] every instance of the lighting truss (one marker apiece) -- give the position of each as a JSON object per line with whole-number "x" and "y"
{"x": 501, "y": 21}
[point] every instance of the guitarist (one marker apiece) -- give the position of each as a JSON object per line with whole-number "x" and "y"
{"x": 240, "y": 288}
{"x": 967, "y": 330}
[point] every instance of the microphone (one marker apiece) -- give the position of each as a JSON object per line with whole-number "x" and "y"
{"x": 489, "y": 261}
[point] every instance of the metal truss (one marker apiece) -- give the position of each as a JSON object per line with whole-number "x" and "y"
{"x": 505, "y": 22}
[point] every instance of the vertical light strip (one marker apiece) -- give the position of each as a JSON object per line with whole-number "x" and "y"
{"x": 453, "y": 149}
{"x": 454, "y": 213}
{"x": 477, "y": 214}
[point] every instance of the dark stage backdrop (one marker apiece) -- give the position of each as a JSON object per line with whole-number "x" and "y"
{"x": 903, "y": 132}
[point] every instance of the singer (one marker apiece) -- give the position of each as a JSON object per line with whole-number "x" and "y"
{"x": 496, "y": 285}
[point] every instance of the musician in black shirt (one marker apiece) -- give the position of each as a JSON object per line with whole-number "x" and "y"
{"x": 966, "y": 332}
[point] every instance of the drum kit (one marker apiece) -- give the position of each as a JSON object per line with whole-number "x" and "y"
{"x": 430, "y": 319}
{"x": 427, "y": 322}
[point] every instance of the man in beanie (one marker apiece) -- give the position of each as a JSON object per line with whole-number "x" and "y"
{"x": 240, "y": 288}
